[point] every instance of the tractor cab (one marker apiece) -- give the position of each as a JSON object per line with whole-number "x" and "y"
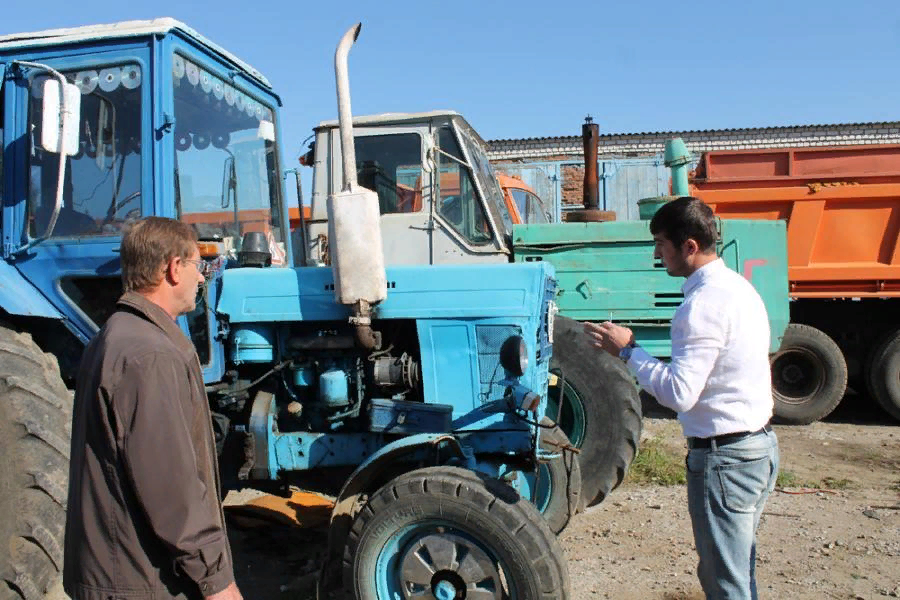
{"x": 431, "y": 173}
{"x": 158, "y": 121}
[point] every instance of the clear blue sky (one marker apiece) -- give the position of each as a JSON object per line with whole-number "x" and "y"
{"x": 532, "y": 69}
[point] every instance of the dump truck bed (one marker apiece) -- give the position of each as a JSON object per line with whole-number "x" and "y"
{"x": 842, "y": 207}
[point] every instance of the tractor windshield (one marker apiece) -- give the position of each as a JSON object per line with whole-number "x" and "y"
{"x": 484, "y": 175}
{"x": 226, "y": 165}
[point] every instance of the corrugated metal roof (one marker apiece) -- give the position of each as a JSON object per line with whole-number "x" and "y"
{"x": 122, "y": 29}
{"x": 570, "y": 138}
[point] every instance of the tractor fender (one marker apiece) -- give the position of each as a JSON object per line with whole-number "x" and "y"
{"x": 19, "y": 297}
{"x": 360, "y": 482}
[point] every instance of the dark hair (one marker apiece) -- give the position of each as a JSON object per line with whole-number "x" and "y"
{"x": 148, "y": 245}
{"x": 686, "y": 218}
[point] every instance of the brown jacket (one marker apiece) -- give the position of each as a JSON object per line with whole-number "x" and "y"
{"x": 144, "y": 519}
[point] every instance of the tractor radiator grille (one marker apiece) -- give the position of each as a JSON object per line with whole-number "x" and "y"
{"x": 490, "y": 339}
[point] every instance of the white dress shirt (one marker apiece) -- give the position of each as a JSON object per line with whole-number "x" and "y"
{"x": 718, "y": 380}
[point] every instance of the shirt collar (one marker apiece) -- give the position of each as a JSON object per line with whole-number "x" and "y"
{"x": 701, "y": 275}
{"x": 159, "y": 317}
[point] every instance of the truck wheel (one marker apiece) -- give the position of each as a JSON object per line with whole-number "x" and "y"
{"x": 884, "y": 374}
{"x": 35, "y": 422}
{"x": 809, "y": 376}
{"x": 601, "y": 409}
{"x": 444, "y": 532}
{"x": 555, "y": 487}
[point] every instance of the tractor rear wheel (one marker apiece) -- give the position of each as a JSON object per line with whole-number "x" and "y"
{"x": 35, "y": 424}
{"x": 600, "y": 409}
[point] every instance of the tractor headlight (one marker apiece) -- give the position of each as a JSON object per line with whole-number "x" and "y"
{"x": 514, "y": 355}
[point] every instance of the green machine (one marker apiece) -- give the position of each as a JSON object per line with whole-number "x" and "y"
{"x": 606, "y": 271}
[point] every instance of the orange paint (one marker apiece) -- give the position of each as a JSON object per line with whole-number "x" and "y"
{"x": 842, "y": 207}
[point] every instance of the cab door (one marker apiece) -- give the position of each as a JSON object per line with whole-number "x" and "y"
{"x": 107, "y": 184}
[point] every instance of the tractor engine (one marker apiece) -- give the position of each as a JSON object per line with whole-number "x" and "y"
{"x": 321, "y": 379}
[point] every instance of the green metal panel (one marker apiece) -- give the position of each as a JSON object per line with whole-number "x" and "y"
{"x": 606, "y": 271}
{"x": 758, "y": 251}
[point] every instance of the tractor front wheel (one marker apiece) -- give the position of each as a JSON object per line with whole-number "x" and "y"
{"x": 445, "y": 533}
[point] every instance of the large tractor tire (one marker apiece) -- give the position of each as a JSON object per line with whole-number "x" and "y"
{"x": 445, "y": 532}
{"x": 883, "y": 374}
{"x": 809, "y": 376}
{"x": 35, "y": 423}
{"x": 601, "y": 409}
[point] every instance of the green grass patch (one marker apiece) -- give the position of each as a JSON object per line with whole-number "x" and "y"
{"x": 788, "y": 479}
{"x": 657, "y": 464}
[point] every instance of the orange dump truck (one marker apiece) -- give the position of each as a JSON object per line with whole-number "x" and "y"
{"x": 842, "y": 207}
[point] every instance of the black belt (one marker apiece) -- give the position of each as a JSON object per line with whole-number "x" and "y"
{"x": 724, "y": 439}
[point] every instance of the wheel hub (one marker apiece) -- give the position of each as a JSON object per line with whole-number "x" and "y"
{"x": 447, "y": 566}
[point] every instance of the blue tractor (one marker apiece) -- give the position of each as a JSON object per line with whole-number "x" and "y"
{"x": 412, "y": 394}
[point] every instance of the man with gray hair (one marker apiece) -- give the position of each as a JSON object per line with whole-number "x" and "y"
{"x": 144, "y": 518}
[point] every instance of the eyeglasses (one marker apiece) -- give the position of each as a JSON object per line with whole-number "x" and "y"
{"x": 203, "y": 267}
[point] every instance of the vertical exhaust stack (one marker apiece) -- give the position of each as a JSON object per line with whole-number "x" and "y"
{"x": 590, "y": 136}
{"x": 354, "y": 221}
{"x": 591, "y": 213}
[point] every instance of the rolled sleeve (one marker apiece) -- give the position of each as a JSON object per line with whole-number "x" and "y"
{"x": 161, "y": 461}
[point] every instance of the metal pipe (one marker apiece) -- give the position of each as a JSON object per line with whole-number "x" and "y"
{"x": 590, "y": 135}
{"x": 348, "y": 152}
{"x": 678, "y": 159}
{"x": 57, "y": 207}
{"x": 303, "y": 244}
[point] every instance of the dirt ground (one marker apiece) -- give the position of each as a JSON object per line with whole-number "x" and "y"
{"x": 841, "y": 541}
{"x": 813, "y": 542}
{"x": 837, "y": 541}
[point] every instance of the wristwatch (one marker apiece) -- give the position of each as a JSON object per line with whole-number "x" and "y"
{"x": 625, "y": 353}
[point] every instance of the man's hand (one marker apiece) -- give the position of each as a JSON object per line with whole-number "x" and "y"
{"x": 229, "y": 593}
{"x": 609, "y": 336}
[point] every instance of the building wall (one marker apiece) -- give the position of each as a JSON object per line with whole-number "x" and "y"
{"x": 631, "y": 163}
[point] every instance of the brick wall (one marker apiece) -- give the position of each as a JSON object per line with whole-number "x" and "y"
{"x": 572, "y": 185}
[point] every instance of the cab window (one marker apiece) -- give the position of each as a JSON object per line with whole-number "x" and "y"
{"x": 102, "y": 184}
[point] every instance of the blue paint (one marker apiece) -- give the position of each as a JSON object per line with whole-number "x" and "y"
{"x": 253, "y": 343}
{"x": 19, "y": 297}
{"x": 415, "y": 292}
{"x": 333, "y": 387}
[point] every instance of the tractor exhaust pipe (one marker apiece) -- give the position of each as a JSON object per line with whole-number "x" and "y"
{"x": 354, "y": 223}
{"x": 590, "y": 213}
{"x": 345, "y": 119}
{"x": 590, "y": 135}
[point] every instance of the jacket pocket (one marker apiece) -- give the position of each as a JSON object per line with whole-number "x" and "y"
{"x": 743, "y": 483}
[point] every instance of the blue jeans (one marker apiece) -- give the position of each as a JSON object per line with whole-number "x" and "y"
{"x": 727, "y": 489}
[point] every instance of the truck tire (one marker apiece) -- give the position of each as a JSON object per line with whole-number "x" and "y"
{"x": 883, "y": 374}
{"x": 601, "y": 409}
{"x": 809, "y": 376}
{"x": 35, "y": 426}
{"x": 558, "y": 484}
{"x": 445, "y": 532}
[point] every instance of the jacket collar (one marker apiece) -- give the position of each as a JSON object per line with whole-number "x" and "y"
{"x": 155, "y": 314}
{"x": 702, "y": 275}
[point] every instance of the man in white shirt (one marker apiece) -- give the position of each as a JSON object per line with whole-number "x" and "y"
{"x": 719, "y": 383}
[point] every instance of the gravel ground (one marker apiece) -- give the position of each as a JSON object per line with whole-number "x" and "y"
{"x": 813, "y": 543}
